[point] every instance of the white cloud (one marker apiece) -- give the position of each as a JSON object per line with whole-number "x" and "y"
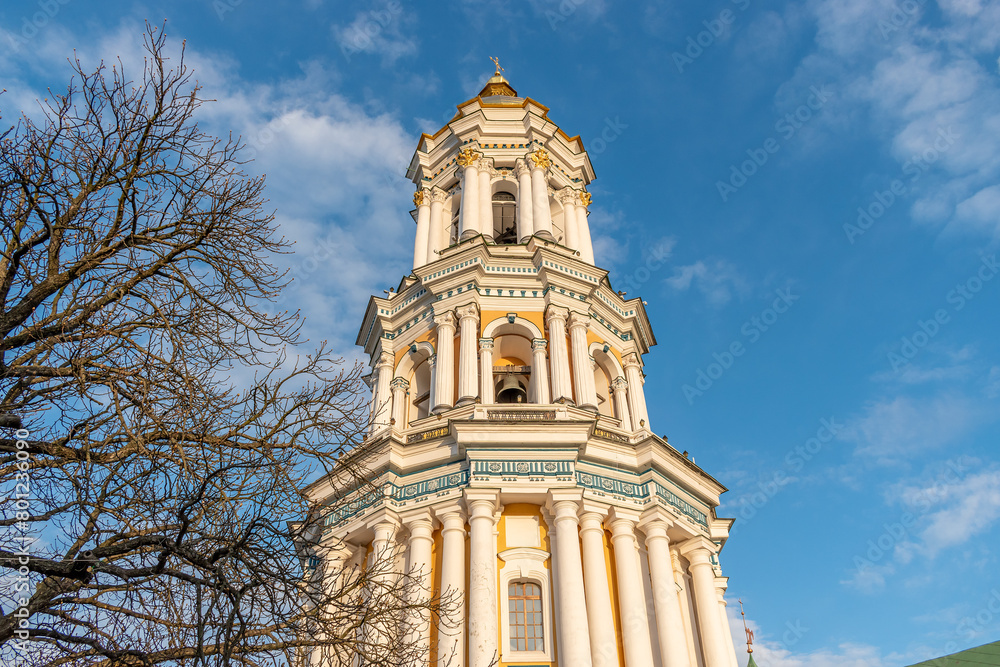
{"x": 378, "y": 31}
{"x": 715, "y": 279}
{"x": 892, "y": 430}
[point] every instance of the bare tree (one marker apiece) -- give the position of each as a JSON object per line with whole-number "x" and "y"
{"x": 168, "y": 500}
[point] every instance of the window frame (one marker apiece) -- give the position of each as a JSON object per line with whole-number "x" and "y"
{"x": 526, "y": 564}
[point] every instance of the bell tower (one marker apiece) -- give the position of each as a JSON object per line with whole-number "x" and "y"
{"x": 509, "y": 425}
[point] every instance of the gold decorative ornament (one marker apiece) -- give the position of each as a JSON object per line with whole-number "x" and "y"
{"x": 496, "y": 61}
{"x": 541, "y": 158}
{"x": 418, "y": 197}
{"x": 585, "y": 198}
{"x": 467, "y": 157}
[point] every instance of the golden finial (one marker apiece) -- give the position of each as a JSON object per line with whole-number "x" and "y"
{"x": 585, "y": 198}
{"x": 466, "y": 157}
{"x": 746, "y": 629}
{"x": 418, "y": 197}
{"x": 496, "y": 61}
{"x": 541, "y": 158}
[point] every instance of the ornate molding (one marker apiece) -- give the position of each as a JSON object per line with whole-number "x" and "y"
{"x": 629, "y": 360}
{"x": 385, "y": 360}
{"x": 420, "y": 198}
{"x": 514, "y": 415}
{"x": 541, "y": 159}
{"x": 400, "y": 383}
{"x": 468, "y": 157}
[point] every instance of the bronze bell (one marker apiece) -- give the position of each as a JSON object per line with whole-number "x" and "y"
{"x": 511, "y": 391}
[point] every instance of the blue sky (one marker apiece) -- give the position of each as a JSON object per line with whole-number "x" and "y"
{"x": 814, "y": 185}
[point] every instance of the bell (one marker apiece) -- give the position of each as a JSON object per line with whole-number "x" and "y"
{"x": 511, "y": 391}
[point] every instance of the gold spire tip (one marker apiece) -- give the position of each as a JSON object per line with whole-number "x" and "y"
{"x": 496, "y": 61}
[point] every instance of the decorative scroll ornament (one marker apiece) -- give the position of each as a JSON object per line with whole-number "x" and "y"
{"x": 541, "y": 159}
{"x": 467, "y": 157}
{"x": 418, "y": 198}
{"x": 585, "y": 198}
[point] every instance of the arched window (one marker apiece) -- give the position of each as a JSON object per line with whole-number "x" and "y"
{"x": 504, "y": 218}
{"x": 525, "y": 603}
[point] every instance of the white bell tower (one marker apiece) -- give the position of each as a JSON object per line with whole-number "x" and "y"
{"x": 510, "y": 437}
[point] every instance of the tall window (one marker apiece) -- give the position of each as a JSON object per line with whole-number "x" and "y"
{"x": 525, "y": 601}
{"x": 504, "y": 218}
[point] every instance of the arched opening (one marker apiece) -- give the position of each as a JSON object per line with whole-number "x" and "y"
{"x": 504, "y": 218}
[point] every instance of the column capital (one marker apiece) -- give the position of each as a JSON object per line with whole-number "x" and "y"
{"x": 422, "y": 197}
{"x": 568, "y": 196}
{"x": 521, "y": 167}
{"x": 469, "y": 310}
{"x": 445, "y": 319}
{"x": 698, "y": 550}
{"x": 539, "y": 159}
{"x": 419, "y": 523}
{"x": 450, "y": 516}
{"x": 432, "y": 359}
{"x": 400, "y": 383}
{"x": 565, "y": 502}
{"x": 619, "y": 384}
{"x": 631, "y": 360}
{"x": 579, "y": 320}
{"x": 592, "y": 517}
{"x": 556, "y": 313}
{"x": 384, "y": 522}
{"x": 539, "y": 344}
{"x": 468, "y": 157}
{"x": 385, "y": 360}
{"x": 437, "y": 195}
{"x": 485, "y": 343}
{"x": 482, "y": 502}
{"x": 721, "y": 584}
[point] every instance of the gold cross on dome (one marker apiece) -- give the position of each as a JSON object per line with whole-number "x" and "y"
{"x": 496, "y": 61}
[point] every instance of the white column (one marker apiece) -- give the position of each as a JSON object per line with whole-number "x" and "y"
{"x": 437, "y": 239}
{"x": 421, "y": 529}
{"x": 583, "y": 229}
{"x": 487, "y": 391}
{"x": 444, "y": 376}
{"x": 333, "y": 579}
{"x": 574, "y": 637}
{"x": 540, "y": 211}
{"x": 583, "y": 369}
{"x": 485, "y": 200}
{"x": 569, "y": 197}
{"x": 451, "y": 629}
{"x": 721, "y": 583}
{"x": 687, "y": 615}
{"x": 539, "y": 372}
{"x": 422, "y": 240}
{"x": 636, "y": 397}
{"x": 558, "y": 356}
{"x": 469, "y": 218}
{"x": 525, "y": 225}
{"x": 399, "y": 387}
{"x": 699, "y": 551}
{"x": 631, "y": 599}
{"x": 383, "y": 398}
{"x": 432, "y": 367}
{"x": 468, "y": 368}
{"x": 382, "y": 582}
{"x": 618, "y": 387}
{"x": 600, "y": 614}
{"x": 669, "y": 626}
{"x": 482, "y": 578}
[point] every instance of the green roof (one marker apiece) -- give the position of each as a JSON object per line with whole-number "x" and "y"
{"x": 751, "y": 662}
{"x": 987, "y": 654}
